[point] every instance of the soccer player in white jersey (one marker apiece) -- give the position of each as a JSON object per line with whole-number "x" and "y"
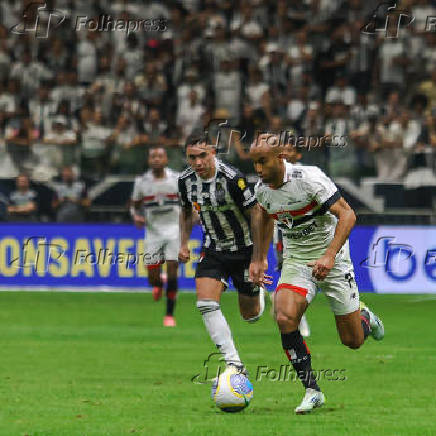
{"x": 316, "y": 222}
{"x": 227, "y": 208}
{"x": 156, "y": 193}
{"x": 292, "y": 155}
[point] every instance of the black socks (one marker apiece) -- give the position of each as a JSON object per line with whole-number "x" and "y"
{"x": 298, "y": 354}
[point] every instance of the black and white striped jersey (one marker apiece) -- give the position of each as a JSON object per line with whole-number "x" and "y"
{"x": 221, "y": 202}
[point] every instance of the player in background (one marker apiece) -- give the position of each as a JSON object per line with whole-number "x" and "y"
{"x": 316, "y": 223}
{"x": 156, "y": 206}
{"x": 292, "y": 155}
{"x": 227, "y": 207}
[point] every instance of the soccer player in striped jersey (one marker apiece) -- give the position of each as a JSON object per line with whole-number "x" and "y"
{"x": 316, "y": 222}
{"x": 156, "y": 193}
{"x": 227, "y": 207}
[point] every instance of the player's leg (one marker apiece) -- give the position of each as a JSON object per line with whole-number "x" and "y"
{"x": 353, "y": 322}
{"x": 155, "y": 280}
{"x": 278, "y": 248}
{"x": 294, "y": 292}
{"x": 170, "y": 253}
{"x": 210, "y": 283}
{"x": 153, "y": 259}
{"x": 172, "y": 269}
{"x": 350, "y": 329}
{"x": 251, "y": 298}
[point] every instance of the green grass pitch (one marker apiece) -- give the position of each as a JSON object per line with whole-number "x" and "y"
{"x": 102, "y": 364}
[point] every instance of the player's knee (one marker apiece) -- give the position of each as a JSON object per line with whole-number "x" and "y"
{"x": 287, "y": 321}
{"x": 352, "y": 342}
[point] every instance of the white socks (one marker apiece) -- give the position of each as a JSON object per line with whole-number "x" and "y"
{"x": 218, "y": 329}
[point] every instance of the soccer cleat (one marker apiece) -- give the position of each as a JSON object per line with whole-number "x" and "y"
{"x": 169, "y": 321}
{"x": 157, "y": 293}
{"x": 311, "y": 400}
{"x": 304, "y": 327}
{"x": 376, "y": 324}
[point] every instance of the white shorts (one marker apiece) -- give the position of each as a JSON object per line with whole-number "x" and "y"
{"x": 160, "y": 249}
{"x": 339, "y": 286}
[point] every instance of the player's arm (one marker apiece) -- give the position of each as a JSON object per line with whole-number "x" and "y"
{"x": 185, "y": 223}
{"x": 346, "y": 220}
{"x": 136, "y": 206}
{"x": 136, "y": 212}
{"x": 262, "y": 228}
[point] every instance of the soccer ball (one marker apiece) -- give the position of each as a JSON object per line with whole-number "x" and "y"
{"x": 232, "y": 391}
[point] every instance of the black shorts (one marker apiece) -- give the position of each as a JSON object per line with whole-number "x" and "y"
{"x": 221, "y": 265}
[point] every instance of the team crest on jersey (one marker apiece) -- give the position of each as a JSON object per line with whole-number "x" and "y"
{"x": 286, "y": 218}
{"x": 220, "y": 194}
{"x": 241, "y": 184}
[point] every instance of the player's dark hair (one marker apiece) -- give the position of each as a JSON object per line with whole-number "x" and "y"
{"x": 196, "y": 138}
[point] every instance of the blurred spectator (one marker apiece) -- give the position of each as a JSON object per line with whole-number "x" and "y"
{"x": 133, "y": 56}
{"x": 87, "y": 59}
{"x": 29, "y": 73}
{"x": 151, "y": 84}
{"x": 22, "y": 201}
{"x": 8, "y": 99}
{"x": 41, "y": 108}
{"x": 341, "y": 148}
{"x": 257, "y": 91}
{"x": 397, "y": 139}
{"x": 70, "y": 201}
{"x": 299, "y": 58}
{"x": 124, "y": 144}
{"x": 428, "y": 88}
{"x": 94, "y": 155}
{"x": 392, "y": 61}
{"x": 341, "y": 91}
{"x": 19, "y": 140}
{"x": 190, "y": 83}
{"x": 190, "y": 118}
{"x": 62, "y": 142}
{"x": 227, "y": 87}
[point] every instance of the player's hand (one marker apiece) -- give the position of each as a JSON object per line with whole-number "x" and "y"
{"x": 184, "y": 254}
{"x": 257, "y": 274}
{"x": 322, "y": 266}
{"x": 139, "y": 221}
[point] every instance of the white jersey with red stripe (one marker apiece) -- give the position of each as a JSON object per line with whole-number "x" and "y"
{"x": 160, "y": 200}
{"x": 301, "y": 208}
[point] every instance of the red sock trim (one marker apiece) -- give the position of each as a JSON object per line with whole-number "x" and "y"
{"x": 171, "y": 295}
{"x": 363, "y": 318}
{"x": 297, "y": 289}
{"x": 154, "y": 266}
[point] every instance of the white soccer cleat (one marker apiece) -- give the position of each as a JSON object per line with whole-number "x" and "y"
{"x": 311, "y": 400}
{"x": 376, "y": 324}
{"x": 304, "y": 327}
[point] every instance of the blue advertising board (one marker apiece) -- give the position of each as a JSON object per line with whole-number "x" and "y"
{"x": 386, "y": 259}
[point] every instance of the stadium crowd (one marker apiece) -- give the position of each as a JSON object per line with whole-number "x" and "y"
{"x": 97, "y": 100}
